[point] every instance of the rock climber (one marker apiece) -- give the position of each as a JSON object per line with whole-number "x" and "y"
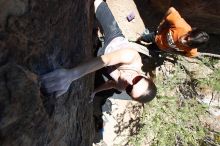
{"x": 122, "y": 62}
{"x": 175, "y": 35}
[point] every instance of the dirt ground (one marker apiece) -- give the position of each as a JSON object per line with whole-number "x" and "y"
{"x": 120, "y": 10}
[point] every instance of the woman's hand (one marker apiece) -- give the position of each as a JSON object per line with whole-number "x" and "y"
{"x": 57, "y": 81}
{"x": 121, "y": 84}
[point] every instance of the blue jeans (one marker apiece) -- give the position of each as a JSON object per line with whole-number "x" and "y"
{"x": 108, "y": 23}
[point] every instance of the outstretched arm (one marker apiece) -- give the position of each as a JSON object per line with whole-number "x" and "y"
{"x": 121, "y": 56}
{"x": 110, "y": 84}
{"x": 163, "y": 23}
{"x": 59, "y": 80}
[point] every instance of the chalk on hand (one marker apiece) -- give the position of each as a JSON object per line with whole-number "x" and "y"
{"x": 130, "y": 16}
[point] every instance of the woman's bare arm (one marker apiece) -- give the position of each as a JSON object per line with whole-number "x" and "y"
{"x": 59, "y": 80}
{"x": 163, "y": 23}
{"x": 110, "y": 84}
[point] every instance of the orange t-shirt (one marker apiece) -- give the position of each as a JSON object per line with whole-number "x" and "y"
{"x": 167, "y": 39}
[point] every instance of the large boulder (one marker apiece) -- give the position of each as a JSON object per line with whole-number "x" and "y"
{"x": 199, "y": 13}
{"x": 36, "y": 37}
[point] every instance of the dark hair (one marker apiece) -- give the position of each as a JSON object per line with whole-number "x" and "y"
{"x": 152, "y": 91}
{"x": 197, "y": 38}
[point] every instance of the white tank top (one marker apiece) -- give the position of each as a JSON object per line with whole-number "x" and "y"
{"x": 121, "y": 43}
{"x": 116, "y": 44}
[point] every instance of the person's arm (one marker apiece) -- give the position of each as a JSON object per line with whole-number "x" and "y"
{"x": 192, "y": 53}
{"x": 110, "y": 84}
{"x": 121, "y": 56}
{"x": 59, "y": 80}
{"x": 164, "y": 23}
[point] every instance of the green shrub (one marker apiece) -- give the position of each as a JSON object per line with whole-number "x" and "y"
{"x": 212, "y": 81}
{"x": 169, "y": 122}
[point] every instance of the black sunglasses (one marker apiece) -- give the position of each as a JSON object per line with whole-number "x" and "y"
{"x": 129, "y": 88}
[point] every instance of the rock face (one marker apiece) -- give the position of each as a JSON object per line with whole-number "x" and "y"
{"x": 199, "y": 13}
{"x": 202, "y": 14}
{"x": 121, "y": 120}
{"x": 37, "y": 37}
